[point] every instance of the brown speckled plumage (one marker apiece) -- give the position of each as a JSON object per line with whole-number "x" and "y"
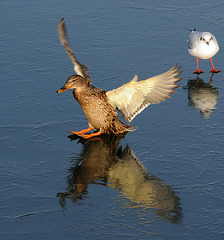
{"x": 99, "y": 113}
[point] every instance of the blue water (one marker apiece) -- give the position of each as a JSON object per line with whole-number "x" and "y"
{"x": 163, "y": 181}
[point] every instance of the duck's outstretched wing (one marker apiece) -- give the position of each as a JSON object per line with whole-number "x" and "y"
{"x": 133, "y": 97}
{"x": 79, "y": 68}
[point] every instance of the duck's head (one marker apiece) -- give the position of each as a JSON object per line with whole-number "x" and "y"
{"x": 74, "y": 82}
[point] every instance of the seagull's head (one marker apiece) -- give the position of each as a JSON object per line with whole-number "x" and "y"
{"x": 74, "y": 82}
{"x": 206, "y": 37}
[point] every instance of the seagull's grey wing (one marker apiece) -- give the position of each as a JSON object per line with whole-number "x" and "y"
{"x": 193, "y": 39}
{"x": 78, "y": 67}
{"x": 133, "y": 97}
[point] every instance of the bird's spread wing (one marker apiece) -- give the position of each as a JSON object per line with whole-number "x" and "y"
{"x": 133, "y": 97}
{"x": 78, "y": 67}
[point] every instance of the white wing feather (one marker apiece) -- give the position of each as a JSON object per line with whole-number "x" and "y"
{"x": 133, "y": 97}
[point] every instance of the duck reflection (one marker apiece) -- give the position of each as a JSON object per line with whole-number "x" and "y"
{"x": 202, "y": 96}
{"x": 104, "y": 162}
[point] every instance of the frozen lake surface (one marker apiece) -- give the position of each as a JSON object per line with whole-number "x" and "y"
{"x": 163, "y": 181}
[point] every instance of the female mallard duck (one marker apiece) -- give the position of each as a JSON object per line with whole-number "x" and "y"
{"x": 130, "y": 99}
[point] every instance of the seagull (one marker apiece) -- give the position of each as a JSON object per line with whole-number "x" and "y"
{"x": 203, "y": 45}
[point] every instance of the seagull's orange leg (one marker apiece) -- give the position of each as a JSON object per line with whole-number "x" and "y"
{"x": 197, "y": 71}
{"x": 213, "y": 69}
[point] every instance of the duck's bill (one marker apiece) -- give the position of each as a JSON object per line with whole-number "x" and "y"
{"x": 63, "y": 89}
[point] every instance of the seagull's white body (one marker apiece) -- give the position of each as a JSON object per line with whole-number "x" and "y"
{"x": 202, "y": 45}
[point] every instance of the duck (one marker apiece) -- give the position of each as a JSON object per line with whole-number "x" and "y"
{"x": 100, "y": 106}
{"x": 203, "y": 45}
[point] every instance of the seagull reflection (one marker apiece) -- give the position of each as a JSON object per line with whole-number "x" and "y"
{"x": 104, "y": 162}
{"x": 202, "y": 96}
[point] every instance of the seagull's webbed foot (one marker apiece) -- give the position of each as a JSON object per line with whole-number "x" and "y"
{"x": 198, "y": 71}
{"x": 213, "y": 70}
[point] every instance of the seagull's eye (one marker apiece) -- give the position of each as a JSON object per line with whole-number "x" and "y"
{"x": 201, "y": 38}
{"x": 210, "y": 39}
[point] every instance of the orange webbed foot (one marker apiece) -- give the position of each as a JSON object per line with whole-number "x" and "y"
{"x": 198, "y": 71}
{"x": 215, "y": 70}
{"x": 90, "y": 135}
{"x": 82, "y": 131}
{"x": 86, "y": 136}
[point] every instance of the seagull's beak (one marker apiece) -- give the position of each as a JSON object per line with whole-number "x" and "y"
{"x": 207, "y": 43}
{"x": 63, "y": 89}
